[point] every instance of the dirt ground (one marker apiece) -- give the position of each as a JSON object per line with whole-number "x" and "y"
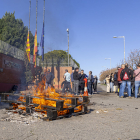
{"x": 111, "y": 118}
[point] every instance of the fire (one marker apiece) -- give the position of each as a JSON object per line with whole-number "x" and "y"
{"x": 40, "y": 93}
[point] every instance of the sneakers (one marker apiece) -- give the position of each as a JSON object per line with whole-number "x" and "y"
{"x": 121, "y": 97}
{"x": 130, "y": 97}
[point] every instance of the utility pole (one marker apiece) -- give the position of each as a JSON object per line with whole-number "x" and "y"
{"x": 68, "y": 45}
{"x": 124, "y": 44}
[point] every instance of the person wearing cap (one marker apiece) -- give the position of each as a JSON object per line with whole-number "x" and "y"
{"x": 137, "y": 80}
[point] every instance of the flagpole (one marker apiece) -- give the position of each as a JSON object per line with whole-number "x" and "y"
{"x": 36, "y": 35}
{"x": 36, "y": 13}
{"x": 29, "y": 13}
{"x": 43, "y": 31}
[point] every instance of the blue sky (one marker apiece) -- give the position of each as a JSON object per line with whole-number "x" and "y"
{"x": 92, "y": 25}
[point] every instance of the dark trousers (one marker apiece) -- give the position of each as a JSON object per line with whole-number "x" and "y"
{"x": 73, "y": 86}
{"x": 90, "y": 87}
{"x": 81, "y": 88}
{"x": 95, "y": 87}
{"x": 66, "y": 86}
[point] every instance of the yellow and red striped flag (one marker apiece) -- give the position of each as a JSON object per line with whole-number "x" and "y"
{"x": 28, "y": 47}
{"x": 35, "y": 49}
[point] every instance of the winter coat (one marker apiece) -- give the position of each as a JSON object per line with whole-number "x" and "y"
{"x": 72, "y": 80}
{"x": 129, "y": 74}
{"x": 81, "y": 78}
{"x": 107, "y": 80}
{"x": 49, "y": 77}
{"x": 95, "y": 80}
{"x": 75, "y": 75}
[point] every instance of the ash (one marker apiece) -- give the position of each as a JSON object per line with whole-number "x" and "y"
{"x": 16, "y": 116}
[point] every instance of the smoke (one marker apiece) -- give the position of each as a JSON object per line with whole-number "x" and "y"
{"x": 58, "y": 17}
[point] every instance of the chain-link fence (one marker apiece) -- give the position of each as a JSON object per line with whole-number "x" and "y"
{"x": 7, "y": 49}
{"x": 58, "y": 62}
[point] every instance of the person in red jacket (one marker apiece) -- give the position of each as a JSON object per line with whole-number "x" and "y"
{"x": 119, "y": 78}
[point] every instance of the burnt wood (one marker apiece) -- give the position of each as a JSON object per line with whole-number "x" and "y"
{"x": 51, "y": 114}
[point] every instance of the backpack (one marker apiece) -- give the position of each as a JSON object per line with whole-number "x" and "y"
{"x": 125, "y": 77}
{"x": 115, "y": 77}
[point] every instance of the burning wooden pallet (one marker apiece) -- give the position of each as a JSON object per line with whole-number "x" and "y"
{"x": 64, "y": 106}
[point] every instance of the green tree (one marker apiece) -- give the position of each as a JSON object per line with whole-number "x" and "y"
{"x": 59, "y": 55}
{"x": 13, "y": 32}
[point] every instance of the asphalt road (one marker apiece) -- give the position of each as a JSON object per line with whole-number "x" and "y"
{"x": 111, "y": 118}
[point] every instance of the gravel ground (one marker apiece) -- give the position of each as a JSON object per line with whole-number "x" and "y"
{"x": 111, "y": 118}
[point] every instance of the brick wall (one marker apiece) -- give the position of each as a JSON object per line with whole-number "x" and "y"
{"x": 59, "y": 73}
{"x": 13, "y": 72}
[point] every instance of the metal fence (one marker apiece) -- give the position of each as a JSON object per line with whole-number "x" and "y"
{"x": 58, "y": 62}
{"x": 7, "y": 49}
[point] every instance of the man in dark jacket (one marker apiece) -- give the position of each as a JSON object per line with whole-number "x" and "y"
{"x": 76, "y": 80}
{"x": 126, "y": 77}
{"x": 49, "y": 78}
{"x": 82, "y": 76}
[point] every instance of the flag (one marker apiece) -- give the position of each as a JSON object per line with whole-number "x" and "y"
{"x": 42, "y": 43}
{"x": 28, "y": 47}
{"x": 35, "y": 49}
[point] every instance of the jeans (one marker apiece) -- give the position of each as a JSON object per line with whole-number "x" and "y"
{"x": 122, "y": 88}
{"x": 90, "y": 87}
{"x": 73, "y": 86}
{"x": 111, "y": 87}
{"x": 137, "y": 84}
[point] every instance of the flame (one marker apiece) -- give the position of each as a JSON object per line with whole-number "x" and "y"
{"x": 40, "y": 93}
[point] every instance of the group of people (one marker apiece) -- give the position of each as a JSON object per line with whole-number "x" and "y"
{"x": 78, "y": 82}
{"x": 125, "y": 79}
